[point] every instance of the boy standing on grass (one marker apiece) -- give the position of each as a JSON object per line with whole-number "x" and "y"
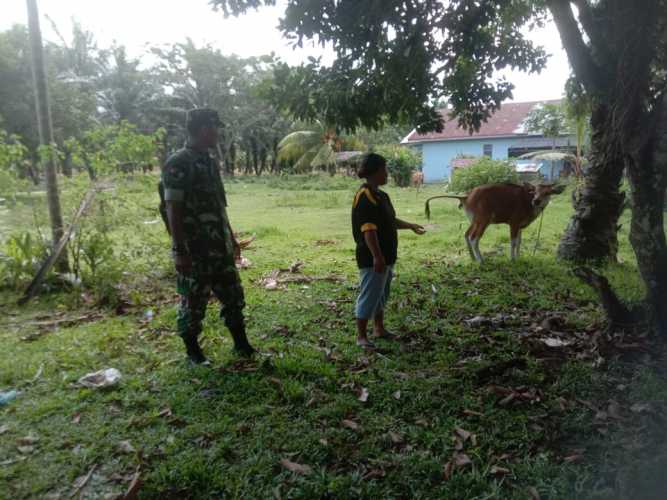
{"x": 374, "y": 227}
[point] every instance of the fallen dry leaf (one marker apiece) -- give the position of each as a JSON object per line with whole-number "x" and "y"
{"x": 499, "y": 471}
{"x": 27, "y": 440}
{"x": 324, "y": 442}
{"x": 243, "y": 263}
{"x": 25, "y": 450}
{"x": 507, "y": 399}
{"x": 81, "y": 481}
{"x": 395, "y": 437}
{"x": 421, "y": 422}
{"x": 165, "y": 412}
{"x": 472, "y": 413}
{"x": 3, "y": 429}
{"x": 463, "y": 434}
{"x": 448, "y": 470}
{"x": 635, "y": 408}
{"x": 271, "y": 284}
{"x": 125, "y": 447}
{"x": 363, "y": 395}
{"x": 12, "y": 461}
{"x": 614, "y": 410}
{"x": 295, "y": 467}
{"x": 554, "y": 342}
{"x": 133, "y": 489}
{"x": 397, "y": 395}
{"x": 462, "y": 460}
{"x": 534, "y": 494}
{"x": 350, "y": 424}
{"x": 76, "y": 418}
{"x": 374, "y": 473}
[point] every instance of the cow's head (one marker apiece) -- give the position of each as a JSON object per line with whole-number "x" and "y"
{"x": 543, "y": 192}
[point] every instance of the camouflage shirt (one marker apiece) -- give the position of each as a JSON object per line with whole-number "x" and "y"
{"x": 192, "y": 177}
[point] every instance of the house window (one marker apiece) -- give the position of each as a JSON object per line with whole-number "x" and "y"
{"x": 488, "y": 150}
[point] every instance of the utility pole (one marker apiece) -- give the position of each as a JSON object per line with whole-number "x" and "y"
{"x": 45, "y": 126}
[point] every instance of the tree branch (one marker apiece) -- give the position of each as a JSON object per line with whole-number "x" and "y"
{"x": 578, "y": 53}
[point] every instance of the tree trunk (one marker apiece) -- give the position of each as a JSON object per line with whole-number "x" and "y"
{"x": 232, "y": 159}
{"x": 45, "y": 127}
{"x": 591, "y": 234}
{"x": 89, "y": 167}
{"x": 255, "y": 157}
{"x": 274, "y": 157}
{"x": 221, "y": 156}
{"x": 647, "y": 173}
{"x": 248, "y": 166}
{"x": 263, "y": 154}
{"x": 67, "y": 162}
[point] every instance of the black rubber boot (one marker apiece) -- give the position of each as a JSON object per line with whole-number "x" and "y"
{"x": 195, "y": 354}
{"x": 241, "y": 344}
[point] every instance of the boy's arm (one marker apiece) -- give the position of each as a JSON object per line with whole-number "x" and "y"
{"x": 371, "y": 238}
{"x": 401, "y": 224}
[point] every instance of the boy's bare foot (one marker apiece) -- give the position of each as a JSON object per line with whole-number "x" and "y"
{"x": 384, "y": 334}
{"x": 365, "y": 344}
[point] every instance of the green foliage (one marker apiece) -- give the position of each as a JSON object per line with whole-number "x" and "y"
{"x": 483, "y": 171}
{"x": 20, "y": 258}
{"x": 395, "y": 59}
{"x": 12, "y": 155}
{"x": 549, "y": 120}
{"x": 118, "y": 148}
{"x": 401, "y": 162}
{"x": 310, "y": 149}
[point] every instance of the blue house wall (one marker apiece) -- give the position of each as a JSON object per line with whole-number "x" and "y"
{"x": 437, "y": 156}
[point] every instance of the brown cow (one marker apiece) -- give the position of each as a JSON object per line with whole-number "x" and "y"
{"x": 417, "y": 179}
{"x": 513, "y": 204}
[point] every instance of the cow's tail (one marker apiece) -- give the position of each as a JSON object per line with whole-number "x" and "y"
{"x": 427, "y": 208}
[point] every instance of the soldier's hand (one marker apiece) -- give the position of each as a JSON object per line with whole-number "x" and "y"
{"x": 183, "y": 264}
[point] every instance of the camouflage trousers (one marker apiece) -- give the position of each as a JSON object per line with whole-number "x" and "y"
{"x": 195, "y": 291}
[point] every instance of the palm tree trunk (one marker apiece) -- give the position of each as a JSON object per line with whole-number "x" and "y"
{"x": 45, "y": 127}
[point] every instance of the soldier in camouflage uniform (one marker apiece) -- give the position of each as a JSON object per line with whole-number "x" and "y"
{"x": 204, "y": 246}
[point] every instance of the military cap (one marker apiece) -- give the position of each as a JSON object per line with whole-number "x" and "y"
{"x": 202, "y": 117}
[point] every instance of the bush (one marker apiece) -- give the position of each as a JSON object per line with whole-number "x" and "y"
{"x": 20, "y": 258}
{"x": 401, "y": 162}
{"x": 483, "y": 171}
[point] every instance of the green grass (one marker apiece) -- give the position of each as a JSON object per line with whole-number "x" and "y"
{"x": 221, "y": 432}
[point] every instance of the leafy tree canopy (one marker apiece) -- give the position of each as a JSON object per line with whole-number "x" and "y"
{"x": 396, "y": 58}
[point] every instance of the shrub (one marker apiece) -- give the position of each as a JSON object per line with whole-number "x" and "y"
{"x": 483, "y": 171}
{"x": 401, "y": 162}
{"x": 20, "y": 258}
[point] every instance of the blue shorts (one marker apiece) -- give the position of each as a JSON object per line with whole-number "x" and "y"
{"x": 373, "y": 292}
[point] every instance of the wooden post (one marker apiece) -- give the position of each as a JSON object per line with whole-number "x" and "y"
{"x": 45, "y": 127}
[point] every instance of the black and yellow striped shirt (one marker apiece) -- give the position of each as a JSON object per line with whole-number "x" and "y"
{"x": 372, "y": 210}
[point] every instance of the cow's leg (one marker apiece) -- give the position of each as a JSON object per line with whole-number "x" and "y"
{"x": 468, "y": 244}
{"x": 515, "y": 241}
{"x": 477, "y": 234}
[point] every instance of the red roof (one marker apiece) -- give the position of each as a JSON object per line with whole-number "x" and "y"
{"x": 507, "y": 121}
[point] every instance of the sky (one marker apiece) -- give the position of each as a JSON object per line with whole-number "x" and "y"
{"x": 139, "y": 23}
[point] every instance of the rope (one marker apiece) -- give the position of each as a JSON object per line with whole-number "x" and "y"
{"x": 539, "y": 231}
